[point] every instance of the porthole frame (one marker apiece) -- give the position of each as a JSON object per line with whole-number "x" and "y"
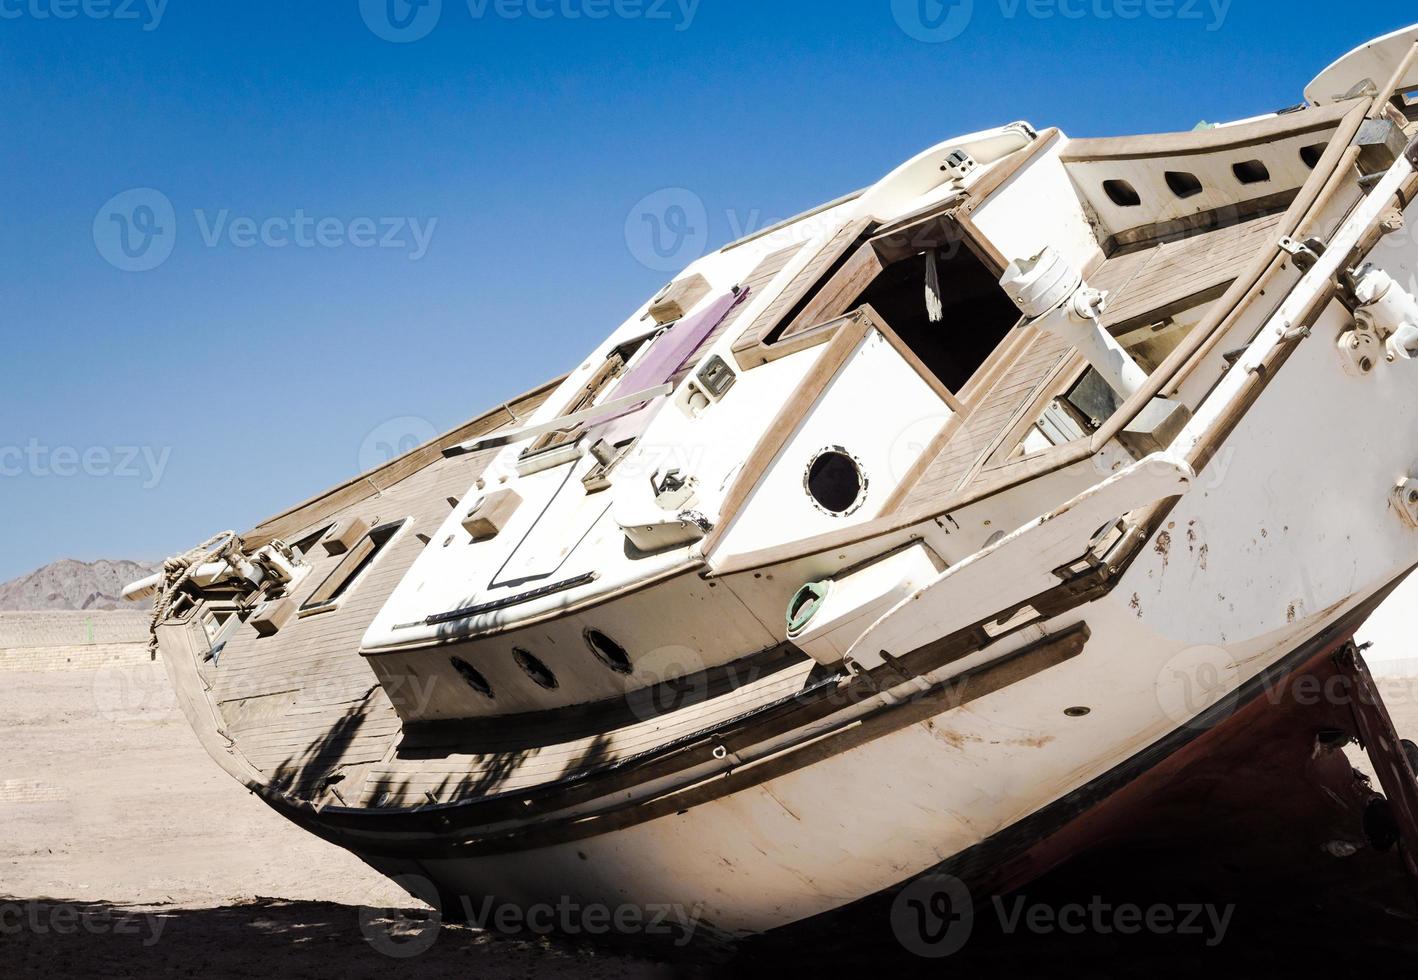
{"x": 473, "y": 678}
{"x": 863, "y": 490}
{"x": 535, "y": 669}
{"x": 1122, "y": 193}
{"x": 621, "y": 664}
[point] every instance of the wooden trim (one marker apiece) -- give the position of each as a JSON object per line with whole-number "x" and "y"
{"x": 750, "y": 345}
{"x": 1015, "y": 344}
{"x": 847, "y": 335}
{"x": 1144, "y": 236}
{"x": 808, "y": 339}
{"x": 794, "y": 410}
{"x": 918, "y": 469}
{"x": 984, "y": 249}
{"x": 836, "y": 297}
{"x": 875, "y": 321}
{"x": 1217, "y": 140}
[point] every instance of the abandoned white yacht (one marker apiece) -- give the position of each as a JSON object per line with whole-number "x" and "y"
{"x": 938, "y": 529}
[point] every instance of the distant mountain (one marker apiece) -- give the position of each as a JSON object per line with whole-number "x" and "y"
{"x": 75, "y": 585}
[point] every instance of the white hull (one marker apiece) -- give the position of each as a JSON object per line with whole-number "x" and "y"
{"x": 969, "y": 654}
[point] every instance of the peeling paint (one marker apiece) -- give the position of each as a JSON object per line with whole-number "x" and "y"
{"x": 1164, "y": 547}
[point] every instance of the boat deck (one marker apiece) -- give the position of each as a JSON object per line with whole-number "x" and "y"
{"x": 1146, "y": 285}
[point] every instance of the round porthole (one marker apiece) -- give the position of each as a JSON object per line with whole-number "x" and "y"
{"x": 609, "y": 652}
{"x": 535, "y": 669}
{"x": 472, "y": 677}
{"x": 835, "y": 481}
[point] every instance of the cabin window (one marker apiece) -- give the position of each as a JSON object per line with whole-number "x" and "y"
{"x": 976, "y": 313}
{"x": 835, "y": 482}
{"x": 353, "y": 565}
{"x": 1122, "y": 193}
{"x": 473, "y": 677}
{"x": 609, "y": 652}
{"x": 1311, "y": 154}
{"x": 307, "y": 544}
{"x": 1183, "y": 184}
{"x": 1251, "y": 172}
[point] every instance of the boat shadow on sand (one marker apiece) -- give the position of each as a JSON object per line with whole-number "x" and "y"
{"x": 1115, "y": 915}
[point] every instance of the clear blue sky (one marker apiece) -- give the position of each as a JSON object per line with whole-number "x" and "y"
{"x": 523, "y": 136}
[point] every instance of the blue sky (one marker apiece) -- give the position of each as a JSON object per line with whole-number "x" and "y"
{"x": 371, "y": 239}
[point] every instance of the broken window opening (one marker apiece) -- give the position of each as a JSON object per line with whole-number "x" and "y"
{"x": 359, "y": 558}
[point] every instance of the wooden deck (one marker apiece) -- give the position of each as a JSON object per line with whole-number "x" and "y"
{"x": 1145, "y": 286}
{"x": 302, "y": 705}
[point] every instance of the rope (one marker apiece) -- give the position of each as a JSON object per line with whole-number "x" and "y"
{"x": 177, "y": 572}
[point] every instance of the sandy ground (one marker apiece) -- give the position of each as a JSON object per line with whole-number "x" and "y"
{"x": 126, "y": 853}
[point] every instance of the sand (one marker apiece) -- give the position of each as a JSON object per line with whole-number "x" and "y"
{"x": 126, "y": 853}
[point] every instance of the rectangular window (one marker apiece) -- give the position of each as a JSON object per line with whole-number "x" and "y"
{"x": 347, "y": 572}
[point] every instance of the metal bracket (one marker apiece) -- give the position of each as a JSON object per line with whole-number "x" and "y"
{"x": 1306, "y": 254}
{"x": 1386, "y": 751}
{"x": 1360, "y": 352}
{"x": 1405, "y": 501}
